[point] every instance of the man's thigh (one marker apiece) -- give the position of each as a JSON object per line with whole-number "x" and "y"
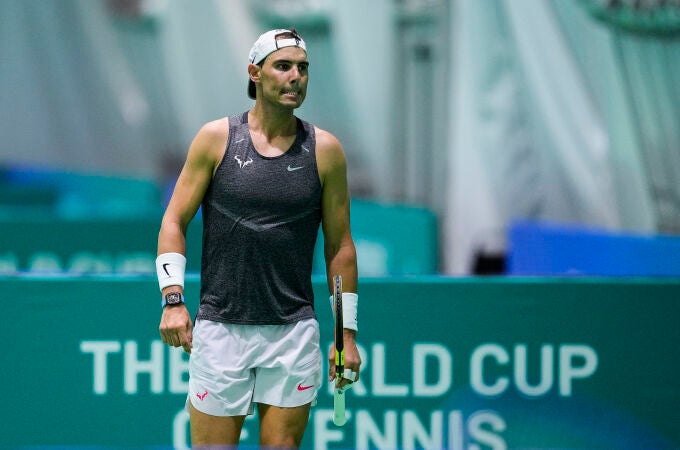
{"x": 282, "y": 427}
{"x": 214, "y": 431}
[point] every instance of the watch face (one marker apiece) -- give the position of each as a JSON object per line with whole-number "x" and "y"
{"x": 173, "y": 298}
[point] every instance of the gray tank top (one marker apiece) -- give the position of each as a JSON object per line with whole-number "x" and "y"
{"x": 261, "y": 217}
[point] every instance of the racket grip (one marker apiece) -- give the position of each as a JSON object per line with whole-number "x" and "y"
{"x": 339, "y": 417}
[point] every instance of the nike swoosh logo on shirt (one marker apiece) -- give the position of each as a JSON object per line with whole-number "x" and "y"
{"x": 293, "y": 169}
{"x": 300, "y": 387}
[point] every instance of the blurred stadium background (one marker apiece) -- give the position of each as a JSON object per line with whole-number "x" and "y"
{"x": 484, "y": 137}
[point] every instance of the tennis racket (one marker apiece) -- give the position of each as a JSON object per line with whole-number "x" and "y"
{"x": 339, "y": 397}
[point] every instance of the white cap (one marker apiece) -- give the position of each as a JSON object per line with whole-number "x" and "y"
{"x": 270, "y": 42}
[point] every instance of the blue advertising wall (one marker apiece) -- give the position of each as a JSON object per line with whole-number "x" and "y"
{"x": 449, "y": 363}
{"x": 540, "y": 248}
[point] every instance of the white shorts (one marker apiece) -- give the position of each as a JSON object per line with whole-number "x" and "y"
{"x": 234, "y": 366}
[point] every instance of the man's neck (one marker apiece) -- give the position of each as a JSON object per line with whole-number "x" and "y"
{"x": 272, "y": 122}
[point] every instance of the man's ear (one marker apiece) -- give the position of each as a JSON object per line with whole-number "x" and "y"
{"x": 254, "y": 72}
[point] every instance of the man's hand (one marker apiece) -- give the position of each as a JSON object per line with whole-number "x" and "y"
{"x": 352, "y": 359}
{"x": 176, "y": 327}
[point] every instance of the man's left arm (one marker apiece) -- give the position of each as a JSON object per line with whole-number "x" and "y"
{"x": 339, "y": 250}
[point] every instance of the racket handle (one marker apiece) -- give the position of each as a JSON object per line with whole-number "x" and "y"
{"x": 339, "y": 407}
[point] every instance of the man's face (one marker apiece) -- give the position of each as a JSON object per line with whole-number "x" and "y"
{"x": 284, "y": 77}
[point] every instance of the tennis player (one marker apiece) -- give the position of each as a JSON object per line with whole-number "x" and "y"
{"x": 265, "y": 180}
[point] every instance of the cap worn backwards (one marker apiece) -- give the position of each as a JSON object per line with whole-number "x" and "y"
{"x": 268, "y": 43}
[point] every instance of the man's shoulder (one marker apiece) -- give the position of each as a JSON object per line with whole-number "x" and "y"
{"x": 325, "y": 140}
{"x": 330, "y": 157}
{"x": 211, "y": 139}
{"x": 214, "y": 132}
{"x": 217, "y": 127}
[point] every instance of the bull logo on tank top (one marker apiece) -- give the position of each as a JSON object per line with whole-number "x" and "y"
{"x": 242, "y": 163}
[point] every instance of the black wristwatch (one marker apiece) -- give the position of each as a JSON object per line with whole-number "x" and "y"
{"x": 172, "y": 298}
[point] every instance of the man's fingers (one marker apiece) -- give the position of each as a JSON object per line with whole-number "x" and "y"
{"x": 176, "y": 331}
{"x": 331, "y": 370}
{"x": 331, "y": 363}
{"x": 186, "y": 339}
{"x": 350, "y": 375}
{"x": 166, "y": 337}
{"x": 175, "y": 338}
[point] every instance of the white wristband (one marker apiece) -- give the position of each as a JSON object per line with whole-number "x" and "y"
{"x": 170, "y": 269}
{"x": 350, "y": 301}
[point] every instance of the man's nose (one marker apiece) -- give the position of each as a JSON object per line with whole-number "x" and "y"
{"x": 295, "y": 73}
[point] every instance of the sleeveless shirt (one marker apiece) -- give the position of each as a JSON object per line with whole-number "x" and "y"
{"x": 261, "y": 218}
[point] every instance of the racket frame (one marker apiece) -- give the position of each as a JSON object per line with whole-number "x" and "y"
{"x": 339, "y": 417}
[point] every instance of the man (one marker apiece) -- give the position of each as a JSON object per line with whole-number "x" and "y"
{"x": 265, "y": 180}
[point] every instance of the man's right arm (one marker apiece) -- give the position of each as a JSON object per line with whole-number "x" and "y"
{"x": 203, "y": 157}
